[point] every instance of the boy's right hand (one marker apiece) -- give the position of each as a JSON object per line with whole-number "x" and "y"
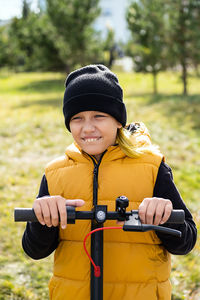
{"x": 48, "y": 209}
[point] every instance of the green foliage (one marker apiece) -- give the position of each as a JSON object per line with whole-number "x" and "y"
{"x": 184, "y": 20}
{"x": 145, "y": 20}
{"x": 184, "y": 34}
{"x": 164, "y": 34}
{"x": 4, "y": 56}
{"x": 59, "y": 38}
{"x": 35, "y": 43}
{"x": 148, "y": 46}
{"x": 73, "y": 34}
{"x": 8, "y": 50}
{"x": 26, "y": 9}
{"x": 32, "y": 133}
{"x": 62, "y": 37}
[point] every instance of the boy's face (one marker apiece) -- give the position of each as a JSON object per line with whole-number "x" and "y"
{"x": 94, "y": 131}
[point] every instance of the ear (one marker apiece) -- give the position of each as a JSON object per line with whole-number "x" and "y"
{"x": 119, "y": 125}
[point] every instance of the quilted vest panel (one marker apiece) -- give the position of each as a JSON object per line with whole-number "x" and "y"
{"x": 131, "y": 260}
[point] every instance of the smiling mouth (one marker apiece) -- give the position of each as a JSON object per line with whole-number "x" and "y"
{"x": 91, "y": 140}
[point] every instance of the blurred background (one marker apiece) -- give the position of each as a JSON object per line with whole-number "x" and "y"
{"x": 154, "y": 48}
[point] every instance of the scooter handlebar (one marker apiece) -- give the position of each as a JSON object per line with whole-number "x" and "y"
{"x": 24, "y": 215}
{"x": 177, "y": 216}
{"x": 28, "y": 215}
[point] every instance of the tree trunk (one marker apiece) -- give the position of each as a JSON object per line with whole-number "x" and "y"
{"x": 182, "y": 46}
{"x": 196, "y": 67}
{"x": 67, "y": 68}
{"x": 155, "y": 89}
{"x": 111, "y": 58}
{"x": 184, "y": 77}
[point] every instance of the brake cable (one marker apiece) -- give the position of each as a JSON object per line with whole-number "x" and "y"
{"x": 97, "y": 271}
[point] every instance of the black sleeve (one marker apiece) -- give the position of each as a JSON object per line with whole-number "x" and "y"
{"x": 165, "y": 188}
{"x": 38, "y": 240}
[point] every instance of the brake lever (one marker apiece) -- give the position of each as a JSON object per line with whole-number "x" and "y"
{"x": 134, "y": 224}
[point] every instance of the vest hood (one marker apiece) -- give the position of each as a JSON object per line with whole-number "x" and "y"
{"x": 75, "y": 153}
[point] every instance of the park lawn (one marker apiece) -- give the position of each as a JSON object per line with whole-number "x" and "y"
{"x": 32, "y": 133}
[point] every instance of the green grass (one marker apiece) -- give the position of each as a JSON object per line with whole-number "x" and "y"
{"x": 32, "y": 133}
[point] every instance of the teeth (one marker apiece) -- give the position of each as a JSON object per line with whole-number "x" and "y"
{"x": 91, "y": 140}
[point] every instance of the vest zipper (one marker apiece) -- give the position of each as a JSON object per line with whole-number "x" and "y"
{"x": 95, "y": 178}
{"x": 95, "y": 184}
{"x": 96, "y": 283}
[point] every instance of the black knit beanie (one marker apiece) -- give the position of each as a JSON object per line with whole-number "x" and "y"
{"x": 93, "y": 87}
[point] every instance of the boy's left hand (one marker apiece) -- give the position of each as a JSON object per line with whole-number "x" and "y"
{"x": 155, "y": 211}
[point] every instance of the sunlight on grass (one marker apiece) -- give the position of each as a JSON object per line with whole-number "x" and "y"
{"x": 32, "y": 133}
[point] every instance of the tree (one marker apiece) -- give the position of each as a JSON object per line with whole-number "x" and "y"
{"x": 33, "y": 37}
{"x": 21, "y": 30}
{"x": 9, "y": 51}
{"x": 60, "y": 37}
{"x": 72, "y": 30}
{"x": 4, "y": 55}
{"x": 146, "y": 21}
{"x": 110, "y": 48}
{"x": 184, "y": 35}
{"x": 26, "y": 9}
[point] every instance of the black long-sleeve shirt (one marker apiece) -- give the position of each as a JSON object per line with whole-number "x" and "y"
{"x": 40, "y": 241}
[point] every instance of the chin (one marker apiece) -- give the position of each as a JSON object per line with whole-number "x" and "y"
{"x": 93, "y": 151}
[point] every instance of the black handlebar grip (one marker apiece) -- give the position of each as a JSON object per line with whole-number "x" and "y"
{"x": 177, "y": 216}
{"x": 28, "y": 215}
{"x": 25, "y": 215}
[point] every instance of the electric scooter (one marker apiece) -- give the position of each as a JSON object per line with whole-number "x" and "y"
{"x": 98, "y": 215}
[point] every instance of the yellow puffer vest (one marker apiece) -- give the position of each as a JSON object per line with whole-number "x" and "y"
{"x": 136, "y": 266}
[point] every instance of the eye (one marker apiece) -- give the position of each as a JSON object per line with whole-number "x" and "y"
{"x": 75, "y": 118}
{"x": 100, "y": 116}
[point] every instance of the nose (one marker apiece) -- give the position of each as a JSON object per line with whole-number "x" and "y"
{"x": 88, "y": 126}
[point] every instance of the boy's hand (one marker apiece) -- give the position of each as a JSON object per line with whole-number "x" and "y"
{"x": 155, "y": 211}
{"x": 48, "y": 209}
